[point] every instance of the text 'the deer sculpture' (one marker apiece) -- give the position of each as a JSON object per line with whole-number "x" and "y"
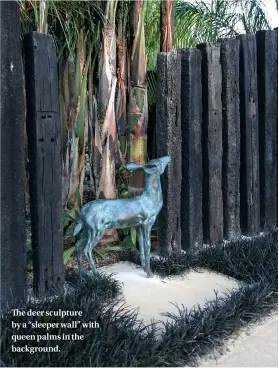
{"x": 139, "y": 212}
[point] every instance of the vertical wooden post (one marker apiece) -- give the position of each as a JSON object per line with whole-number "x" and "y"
{"x": 249, "y": 159}
{"x": 43, "y": 128}
{"x": 191, "y": 132}
{"x": 267, "y": 55}
{"x": 13, "y": 235}
{"x": 168, "y": 139}
{"x": 212, "y": 143}
{"x": 231, "y": 136}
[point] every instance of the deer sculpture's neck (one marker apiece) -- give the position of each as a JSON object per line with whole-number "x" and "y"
{"x": 152, "y": 188}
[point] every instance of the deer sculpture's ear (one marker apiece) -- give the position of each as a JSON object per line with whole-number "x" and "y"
{"x": 165, "y": 160}
{"x": 133, "y": 167}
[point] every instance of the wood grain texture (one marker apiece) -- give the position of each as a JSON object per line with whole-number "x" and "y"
{"x": 267, "y": 59}
{"x": 231, "y": 136}
{"x": 168, "y": 140}
{"x": 249, "y": 159}
{"x": 13, "y": 237}
{"x": 43, "y": 128}
{"x": 212, "y": 143}
{"x": 191, "y": 132}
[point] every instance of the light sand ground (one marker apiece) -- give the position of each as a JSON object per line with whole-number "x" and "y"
{"x": 154, "y": 296}
{"x": 256, "y": 348}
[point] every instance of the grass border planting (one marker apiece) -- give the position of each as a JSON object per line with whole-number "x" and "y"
{"x": 122, "y": 340}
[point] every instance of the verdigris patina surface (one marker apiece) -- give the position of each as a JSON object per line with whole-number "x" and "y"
{"x": 139, "y": 212}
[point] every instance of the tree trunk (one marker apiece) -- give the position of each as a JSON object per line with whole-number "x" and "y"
{"x": 167, "y": 25}
{"x": 106, "y": 112}
{"x": 138, "y": 109}
{"x": 121, "y": 100}
{"x": 76, "y": 123}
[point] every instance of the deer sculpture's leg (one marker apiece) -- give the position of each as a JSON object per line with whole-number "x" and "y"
{"x": 147, "y": 246}
{"x": 141, "y": 245}
{"x": 94, "y": 239}
{"x": 79, "y": 248}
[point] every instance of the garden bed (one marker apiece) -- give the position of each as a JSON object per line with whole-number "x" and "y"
{"x": 122, "y": 340}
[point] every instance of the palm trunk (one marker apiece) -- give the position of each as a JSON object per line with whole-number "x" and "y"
{"x": 167, "y": 25}
{"x": 65, "y": 100}
{"x": 92, "y": 110}
{"x": 138, "y": 109}
{"x": 121, "y": 100}
{"x": 75, "y": 125}
{"x": 106, "y": 112}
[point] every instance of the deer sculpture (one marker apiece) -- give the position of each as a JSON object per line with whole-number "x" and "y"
{"x": 139, "y": 212}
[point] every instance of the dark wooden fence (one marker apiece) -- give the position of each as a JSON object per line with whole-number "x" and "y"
{"x": 13, "y": 248}
{"x": 45, "y": 174}
{"x": 228, "y": 123}
{"x": 43, "y": 128}
{"x": 216, "y": 118}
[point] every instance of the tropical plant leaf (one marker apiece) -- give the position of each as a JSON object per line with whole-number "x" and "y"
{"x": 65, "y": 219}
{"x": 99, "y": 253}
{"x": 127, "y": 242}
{"x": 151, "y": 78}
{"x": 114, "y": 248}
{"x": 200, "y": 21}
{"x": 152, "y": 30}
{"x": 77, "y": 215}
{"x": 134, "y": 236}
{"x": 68, "y": 254}
{"x": 29, "y": 245}
{"x": 78, "y": 198}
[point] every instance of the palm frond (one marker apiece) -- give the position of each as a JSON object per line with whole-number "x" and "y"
{"x": 199, "y": 21}
{"x": 152, "y": 31}
{"x": 151, "y": 79}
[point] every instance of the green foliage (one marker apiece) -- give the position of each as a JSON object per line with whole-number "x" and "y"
{"x": 199, "y": 21}
{"x": 70, "y": 219}
{"x": 151, "y": 78}
{"x": 67, "y": 254}
{"x": 79, "y": 202}
{"x": 152, "y": 32}
{"x": 128, "y": 236}
{"x": 122, "y": 179}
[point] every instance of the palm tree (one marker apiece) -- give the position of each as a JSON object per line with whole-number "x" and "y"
{"x": 106, "y": 103}
{"x": 167, "y": 25}
{"x": 110, "y": 89}
{"x": 138, "y": 107}
{"x": 201, "y": 21}
{"x": 122, "y": 79}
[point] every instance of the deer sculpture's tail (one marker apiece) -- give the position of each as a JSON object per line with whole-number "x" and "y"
{"x": 78, "y": 227}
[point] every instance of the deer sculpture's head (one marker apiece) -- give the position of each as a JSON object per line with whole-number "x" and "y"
{"x": 157, "y": 165}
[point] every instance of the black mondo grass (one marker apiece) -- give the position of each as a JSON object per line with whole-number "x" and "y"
{"x": 103, "y": 285}
{"x": 194, "y": 333}
{"x": 122, "y": 340}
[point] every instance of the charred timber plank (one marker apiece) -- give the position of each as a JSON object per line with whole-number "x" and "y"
{"x": 212, "y": 143}
{"x": 249, "y": 151}
{"x": 231, "y": 136}
{"x": 267, "y": 55}
{"x": 13, "y": 236}
{"x": 43, "y": 129}
{"x": 191, "y": 131}
{"x": 168, "y": 140}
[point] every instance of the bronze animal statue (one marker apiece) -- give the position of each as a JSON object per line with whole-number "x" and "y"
{"x": 139, "y": 212}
